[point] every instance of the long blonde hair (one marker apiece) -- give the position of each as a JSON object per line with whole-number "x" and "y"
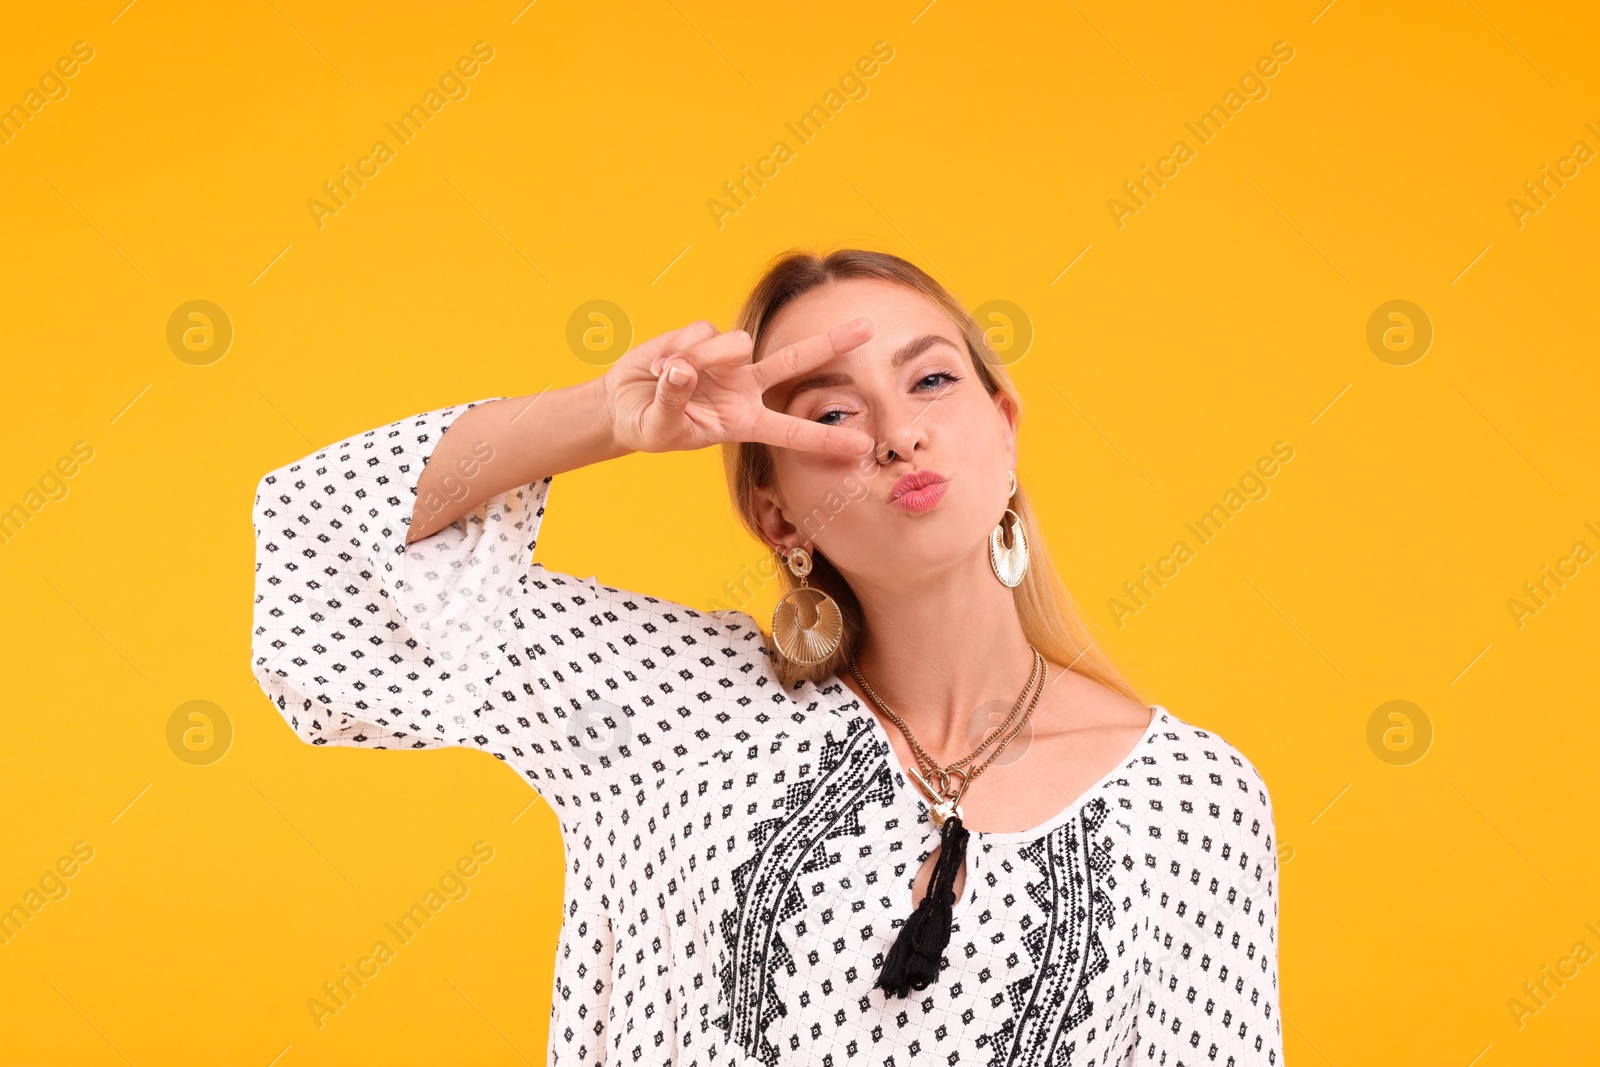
{"x": 1049, "y": 616}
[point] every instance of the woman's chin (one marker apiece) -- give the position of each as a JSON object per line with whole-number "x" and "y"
{"x": 914, "y": 553}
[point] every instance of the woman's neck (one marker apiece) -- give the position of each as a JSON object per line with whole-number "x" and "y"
{"x": 937, "y": 650}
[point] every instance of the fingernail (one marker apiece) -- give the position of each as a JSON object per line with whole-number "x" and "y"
{"x": 676, "y": 374}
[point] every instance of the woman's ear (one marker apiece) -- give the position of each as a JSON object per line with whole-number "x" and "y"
{"x": 774, "y": 526}
{"x": 1008, "y": 415}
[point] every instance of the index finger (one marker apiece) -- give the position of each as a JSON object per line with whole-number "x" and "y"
{"x": 786, "y": 431}
{"x": 790, "y": 360}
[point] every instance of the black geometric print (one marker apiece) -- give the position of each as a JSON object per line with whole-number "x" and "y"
{"x": 1071, "y": 882}
{"x": 740, "y": 856}
{"x": 768, "y": 888}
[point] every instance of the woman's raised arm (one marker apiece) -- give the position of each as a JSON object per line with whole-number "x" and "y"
{"x": 685, "y": 389}
{"x": 501, "y": 444}
{"x": 399, "y": 603}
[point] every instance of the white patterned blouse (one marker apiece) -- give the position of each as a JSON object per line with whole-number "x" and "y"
{"x": 740, "y": 857}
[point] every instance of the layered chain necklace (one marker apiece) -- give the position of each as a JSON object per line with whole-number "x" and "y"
{"x": 913, "y": 959}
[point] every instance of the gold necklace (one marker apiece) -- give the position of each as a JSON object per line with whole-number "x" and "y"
{"x": 945, "y": 800}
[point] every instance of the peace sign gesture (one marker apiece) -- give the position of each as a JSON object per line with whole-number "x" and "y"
{"x": 716, "y": 396}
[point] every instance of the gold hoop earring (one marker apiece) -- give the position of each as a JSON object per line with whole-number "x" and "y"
{"x": 1010, "y": 562}
{"x": 807, "y": 625}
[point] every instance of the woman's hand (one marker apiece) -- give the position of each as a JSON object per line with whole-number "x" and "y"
{"x": 696, "y": 386}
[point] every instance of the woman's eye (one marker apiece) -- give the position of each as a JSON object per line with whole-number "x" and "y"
{"x": 928, "y": 382}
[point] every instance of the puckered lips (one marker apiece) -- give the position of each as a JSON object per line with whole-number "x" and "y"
{"x": 918, "y": 491}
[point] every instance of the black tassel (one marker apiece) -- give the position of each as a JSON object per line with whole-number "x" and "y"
{"x": 913, "y": 959}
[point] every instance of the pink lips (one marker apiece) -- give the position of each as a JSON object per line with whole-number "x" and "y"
{"x": 918, "y": 491}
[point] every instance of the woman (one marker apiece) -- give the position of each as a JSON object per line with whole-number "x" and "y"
{"x": 925, "y": 817}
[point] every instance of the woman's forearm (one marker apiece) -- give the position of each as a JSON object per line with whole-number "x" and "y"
{"x": 499, "y": 445}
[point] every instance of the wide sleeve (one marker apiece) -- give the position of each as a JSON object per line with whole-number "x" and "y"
{"x": 1209, "y": 982}
{"x": 461, "y": 638}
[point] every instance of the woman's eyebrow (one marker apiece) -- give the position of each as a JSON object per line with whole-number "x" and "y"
{"x": 908, "y": 351}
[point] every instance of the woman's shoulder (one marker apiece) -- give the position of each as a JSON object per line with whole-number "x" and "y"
{"x": 759, "y": 657}
{"x": 717, "y": 640}
{"x": 1200, "y": 762}
{"x": 722, "y": 654}
{"x": 1199, "y": 809}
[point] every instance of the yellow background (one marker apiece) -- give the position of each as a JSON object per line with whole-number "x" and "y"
{"x": 1227, "y": 314}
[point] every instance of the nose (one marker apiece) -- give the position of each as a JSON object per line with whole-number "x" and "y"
{"x": 902, "y": 441}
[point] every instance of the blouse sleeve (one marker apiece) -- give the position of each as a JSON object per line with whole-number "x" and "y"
{"x": 1210, "y": 967}
{"x": 461, "y": 639}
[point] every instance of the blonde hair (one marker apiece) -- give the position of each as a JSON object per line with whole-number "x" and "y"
{"x": 1049, "y": 616}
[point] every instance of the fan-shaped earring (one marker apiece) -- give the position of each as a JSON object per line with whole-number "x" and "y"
{"x": 806, "y": 625}
{"x": 1010, "y": 562}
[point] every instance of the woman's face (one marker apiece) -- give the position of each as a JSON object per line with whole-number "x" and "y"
{"x": 912, "y": 387}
